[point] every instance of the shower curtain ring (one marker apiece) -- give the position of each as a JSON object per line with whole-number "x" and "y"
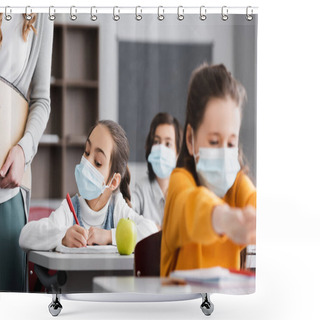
{"x": 180, "y": 13}
{"x": 52, "y": 17}
{"x": 73, "y": 16}
{"x": 224, "y": 13}
{"x": 8, "y": 16}
{"x": 138, "y": 16}
{"x": 93, "y": 17}
{"x": 28, "y": 15}
{"x": 203, "y": 13}
{"x": 116, "y": 17}
{"x": 249, "y": 16}
{"x": 160, "y": 16}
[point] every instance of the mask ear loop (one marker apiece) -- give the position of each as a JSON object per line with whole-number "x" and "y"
{"x": 108, "y": 186}
{"x": 194, "y": 155}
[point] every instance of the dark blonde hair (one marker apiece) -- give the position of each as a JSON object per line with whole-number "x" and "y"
{"x": 27, "y": 26}
{"x": 119, "y": 156}
{"x": 207, "y": 81}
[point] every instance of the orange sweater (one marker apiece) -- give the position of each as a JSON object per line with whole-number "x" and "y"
{"x": 188, "y": 238}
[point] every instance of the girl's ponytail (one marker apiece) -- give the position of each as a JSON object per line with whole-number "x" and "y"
{"x": 124, "y": 187}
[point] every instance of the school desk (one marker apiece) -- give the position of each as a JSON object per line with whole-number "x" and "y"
{"x": 80, "y": 268}
{"x": 158, "y": 285}
{"x": 163, "y": 289}
{"x": 83, "y": 268}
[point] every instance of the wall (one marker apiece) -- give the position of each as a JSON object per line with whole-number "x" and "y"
{"x": 233, "y": 43}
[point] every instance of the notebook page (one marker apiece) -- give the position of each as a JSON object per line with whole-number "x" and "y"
{"x": 89, "y": 249}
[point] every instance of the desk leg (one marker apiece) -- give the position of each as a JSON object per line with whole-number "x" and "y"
{"x": 55, "y": 306}
{"x": 206, "y": 305}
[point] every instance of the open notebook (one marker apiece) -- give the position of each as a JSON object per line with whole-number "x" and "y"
{"x": 89, "y": 249}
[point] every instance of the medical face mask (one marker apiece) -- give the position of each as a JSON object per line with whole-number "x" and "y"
{"x": 89, "y": 180}
{"x": 217, "y": 168}
{"x": 163, "y": 160}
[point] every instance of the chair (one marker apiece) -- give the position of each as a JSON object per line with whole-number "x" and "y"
{"x": 36, "y": 213}
{"x": 147, "y": 256}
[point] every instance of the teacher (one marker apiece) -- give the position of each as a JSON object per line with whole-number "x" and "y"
{"x": 25, "y": 63}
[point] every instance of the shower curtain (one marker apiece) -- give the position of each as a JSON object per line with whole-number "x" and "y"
{"x": 137, "y": 71}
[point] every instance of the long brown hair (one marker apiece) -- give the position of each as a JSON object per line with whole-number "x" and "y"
{"x": 119, "y": 156}
{"x": 161, "y": 118}
{"x": 207, "y": 81}
{"x": 27, "y": 26}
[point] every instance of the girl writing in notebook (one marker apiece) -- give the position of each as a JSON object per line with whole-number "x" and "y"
{"x": 103, "y": 182}
{"x": 210, "y": 211}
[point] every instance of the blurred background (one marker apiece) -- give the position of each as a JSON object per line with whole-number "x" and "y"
{"x": 128, "y": 71}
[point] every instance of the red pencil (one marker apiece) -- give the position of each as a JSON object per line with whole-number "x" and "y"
{"x": 242, "y": 272}
{"x": 72, "y": 209}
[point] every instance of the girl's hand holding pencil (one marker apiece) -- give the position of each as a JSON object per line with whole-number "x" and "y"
{"x": 75, "y": 237}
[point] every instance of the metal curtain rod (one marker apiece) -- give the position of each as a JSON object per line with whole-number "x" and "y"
{"x": 129, "y": 10}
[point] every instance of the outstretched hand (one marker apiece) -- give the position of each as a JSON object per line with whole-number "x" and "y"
{"x": 239, "y": 224}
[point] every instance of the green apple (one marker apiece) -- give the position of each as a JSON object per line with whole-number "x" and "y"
{"x": 126, "y": 236}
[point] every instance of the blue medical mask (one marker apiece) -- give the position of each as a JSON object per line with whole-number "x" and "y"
{"x": 89, "y": 180}
{"x": 163, "y": 160}
{"x": 217, "y": 168}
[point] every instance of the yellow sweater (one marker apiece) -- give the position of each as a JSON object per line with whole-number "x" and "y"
{"x": 188, "y": 238}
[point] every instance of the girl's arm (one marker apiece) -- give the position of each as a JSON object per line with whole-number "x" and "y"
{"x": 243, "y": 192}
{"x": 239, "y": 220}
{"x": 188, "y": 212}
{"x": 46, "y": 233}
{"x": 145, "y": 227}
{"x": 238, "y": 224}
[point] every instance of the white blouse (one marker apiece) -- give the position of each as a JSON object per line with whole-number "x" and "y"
{"x": 91, "y": 218}
{"x": 148, "y": 200}
{"x": 47, "y": 233}
{"x": 14, "y": 52}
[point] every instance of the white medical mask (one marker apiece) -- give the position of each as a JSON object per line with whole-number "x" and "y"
{"x": 89, "y": 180}
{"x": 163, "y": 160}
{"x": 217, "y": 168}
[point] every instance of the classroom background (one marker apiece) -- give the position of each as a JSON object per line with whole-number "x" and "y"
{"x": 126, "y": 72}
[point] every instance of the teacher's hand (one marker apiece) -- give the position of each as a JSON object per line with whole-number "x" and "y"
{"x": 12, "y": 170}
